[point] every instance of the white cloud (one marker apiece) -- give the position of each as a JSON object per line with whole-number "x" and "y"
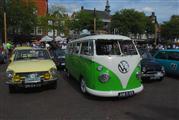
{"x": 148, "y": 9}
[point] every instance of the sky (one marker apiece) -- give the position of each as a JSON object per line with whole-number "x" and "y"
{"x": 163, "y": 9}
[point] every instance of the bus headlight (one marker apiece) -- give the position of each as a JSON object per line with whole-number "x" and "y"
{"x": 10, "y": 74}
{"x": 104, "y": 78}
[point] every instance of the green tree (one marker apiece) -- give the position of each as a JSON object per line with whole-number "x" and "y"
{"x": 85, "y": 20}
{"x": 21, "y": 16}
{"x": 170, "y": 29}
{"x": 129, "y": 21}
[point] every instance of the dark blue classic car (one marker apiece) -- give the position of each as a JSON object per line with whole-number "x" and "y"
{"x": 150, "y": 68}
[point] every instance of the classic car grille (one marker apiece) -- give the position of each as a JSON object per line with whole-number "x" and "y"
{"x": 26, "y": 75}
{"x": 153, "y": 68}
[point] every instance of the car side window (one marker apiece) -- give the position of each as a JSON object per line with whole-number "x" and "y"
{"x": 162, "y": 55}
{"x": 173, "y": 56}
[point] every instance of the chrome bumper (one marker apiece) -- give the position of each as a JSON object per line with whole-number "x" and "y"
{"x": 21, "y": 84}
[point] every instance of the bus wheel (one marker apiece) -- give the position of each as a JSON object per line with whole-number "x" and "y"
{"x": 83, "y": 86}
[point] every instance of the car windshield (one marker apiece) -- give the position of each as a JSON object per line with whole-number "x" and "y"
{"x": 31, "y": 54}
{"x": 115, "y": 47}
{"x": 145, "y": 54}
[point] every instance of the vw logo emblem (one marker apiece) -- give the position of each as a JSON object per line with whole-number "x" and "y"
{"x": 123, "y": 67}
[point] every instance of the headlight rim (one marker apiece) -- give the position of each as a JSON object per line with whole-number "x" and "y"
{"x": 8, "y": 74}
{"x": 102, "y": 79}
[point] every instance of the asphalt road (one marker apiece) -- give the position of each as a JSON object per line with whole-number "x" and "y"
{"x": 158, "y": 101}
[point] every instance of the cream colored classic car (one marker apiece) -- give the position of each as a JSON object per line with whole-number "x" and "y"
{"x": 31, "y": 67}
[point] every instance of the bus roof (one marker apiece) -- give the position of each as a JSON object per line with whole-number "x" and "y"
{"x": 104, "y": 37}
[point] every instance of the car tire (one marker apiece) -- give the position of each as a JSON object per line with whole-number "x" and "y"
{"x": 12, "y": 89}
{"x": 54, "y": 85}
{"x": 83, "y": 86}
{"x": 160, "y": 79}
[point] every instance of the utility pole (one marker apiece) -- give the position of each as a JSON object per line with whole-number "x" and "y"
{"x": 94, "y": 20}
{"x": 5, "y": 28}
{"x": 5, "y": 23}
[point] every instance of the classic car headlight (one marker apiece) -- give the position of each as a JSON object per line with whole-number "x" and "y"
{"x": 10, "y": 74}
{"x": 16, "y": 78}
{"x": 47, "y": 76}
{"x": 143, "y": 69}
{"x": 104, "y": 77}
{"x": 163, "y": 69}
{"x": 53, "y": 72}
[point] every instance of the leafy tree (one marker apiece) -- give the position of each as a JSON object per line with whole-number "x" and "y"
{"x": 85, "y": 20}
{"x": 129, "y": 21}
{"x": 170, "y": 29}
{"x": 21, "y": 16}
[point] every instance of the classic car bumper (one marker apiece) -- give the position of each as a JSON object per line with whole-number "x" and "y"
{"x": 32, "y": 83}
{"x": 114, "y": 93}
{"x": 157, "y": 75}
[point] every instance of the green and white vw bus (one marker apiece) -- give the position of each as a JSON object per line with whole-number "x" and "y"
{"x": 105, "y": 65}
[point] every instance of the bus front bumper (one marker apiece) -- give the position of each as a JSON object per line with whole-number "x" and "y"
{"x": 121, "y": 93}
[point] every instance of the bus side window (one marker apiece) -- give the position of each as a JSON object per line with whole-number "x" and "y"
{"x": 77, "y": 48}
{"x": 84, "y": 48}
{"x": 90, "y": 48}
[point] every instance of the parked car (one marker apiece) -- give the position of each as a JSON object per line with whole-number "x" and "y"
{"x": 151, "y": 69}
{"x": 169, "y": 59}
{"x": 31, "y": 67}
{"x": 59, "y": 57}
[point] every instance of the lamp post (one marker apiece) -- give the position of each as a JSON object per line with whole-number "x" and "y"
{"x": 94, "y": 20}
{"x": 154, "y": 21}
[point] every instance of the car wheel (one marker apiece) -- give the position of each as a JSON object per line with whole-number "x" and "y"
{"x": 83, "y": 86}
{"x": 54, "y": 85}
{"x": 12, "y": 89}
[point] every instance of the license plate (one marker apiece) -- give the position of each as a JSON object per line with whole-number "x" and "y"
{"x": 32, "y": 85}
{"x": 126, "y": 94}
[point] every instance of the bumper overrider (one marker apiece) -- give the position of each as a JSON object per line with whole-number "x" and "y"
{"x": 120, "y": 93}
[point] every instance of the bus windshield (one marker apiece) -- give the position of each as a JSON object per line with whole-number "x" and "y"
{"x": 115, "y": 47}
